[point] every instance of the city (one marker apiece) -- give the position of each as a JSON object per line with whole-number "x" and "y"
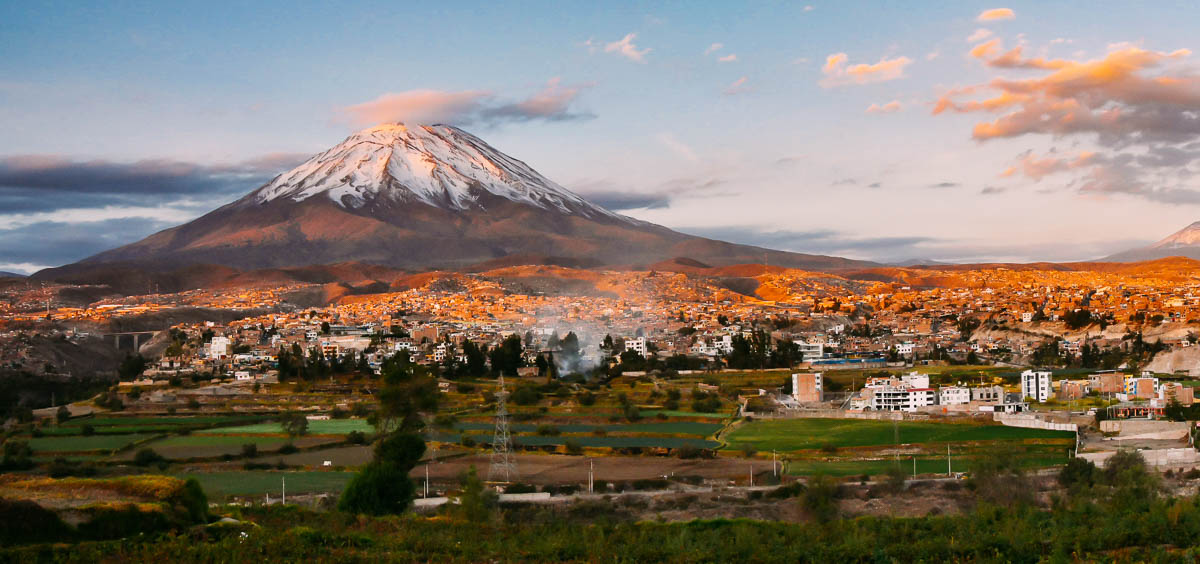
{"x": 634, "y": 282}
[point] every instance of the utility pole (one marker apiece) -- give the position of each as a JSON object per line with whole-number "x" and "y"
{"x": 914, "y": 467}
{"x": 591, "y": 476}
{"x": 949, "y": 472}
{"x": 752, "y": 474}
{"x": 284, "y": 478}
{"x": 774, "y": 469}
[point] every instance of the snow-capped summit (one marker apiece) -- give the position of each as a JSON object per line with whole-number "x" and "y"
{"x": 437, "y": 165}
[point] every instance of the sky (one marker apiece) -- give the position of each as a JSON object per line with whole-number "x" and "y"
{"x": 959, "y": 132}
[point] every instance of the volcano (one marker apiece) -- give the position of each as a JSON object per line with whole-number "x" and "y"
{"x": 1182, "y": 243}
{"x": 422, "y": 197}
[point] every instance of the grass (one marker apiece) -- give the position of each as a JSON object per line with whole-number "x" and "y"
{"x": 219, "y": 484}
{"x": 319, "y": 427}
{"x": 925, "y": 465}
{"x": 84, "y": 444}
{"x": 804, "y": 434}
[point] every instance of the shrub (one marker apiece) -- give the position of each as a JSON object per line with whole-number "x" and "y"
{"x": 27, "y": 522}
{"x": 356, "y": 438}
{"x": 586, "y": 398}
{"x": 288, "y": 448}
{"x": 520, "y": 488}
{"x": 546, "y": 430}
{"x": 687, "y": 452}
{"x": 573, "y": 447}
{"x": 62, "y": 414}
{"x": 379, "y": 488}
{"x": 250, "y": 450}
{"x": 820, "y": 498}
{"x": 147, "y": 456}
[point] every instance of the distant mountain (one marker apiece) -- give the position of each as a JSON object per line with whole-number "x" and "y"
{"x": 419, "y": 198}
{"x": 919, "y": 262}
{"x": 1182, "y": 243}
{"x": 4, "y": 274}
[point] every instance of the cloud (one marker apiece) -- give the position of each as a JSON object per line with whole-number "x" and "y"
{"x": 979, "y": 35}
{"x": 996, "y": 14}
{"x": 613, "y": 197}
{"x": 838, "y": 73}
{"x": 713, "y": 48}
{"x": 552, "y": 103}
{"x": 945, "y": 185}
{"x": 626, "y": 48}
{"x": 728, "y": 58}
{"x": 809, "y": 8}
{"x": 31, "y": 247}
{"x": 1140, "y": 109}
{"x": 890, "y": 107}
{"x": 736, "y": 87}
{"x": 992, "y": 190}
{"x": 39, "y": 183}
{"x": 678, "y": 147}
{"x": 823, "y": 241}
{"x": 985, "y": 49}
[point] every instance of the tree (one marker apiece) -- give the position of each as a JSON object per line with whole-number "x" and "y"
{"x": 324, "y": 327}
{"x": 820, "y": 498}
{"x": 506, "y": 358}
{"x": 131, "y": 367}
{"x": 383, "y": 485}
{"x": 295, "y": 425}
{"x": 62, "y": 414}
{"x": 476, "y": 502}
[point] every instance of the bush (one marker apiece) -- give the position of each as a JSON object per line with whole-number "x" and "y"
{"x": 687, "y": 452}
{"x": 586, "y": 398}
{"x": 62, "y": 414}
{"x": 356, "y": 438}
{"x": 288, "y": 448}
{"x": 526, "y": 395}
{"x": 546, "y": 430}
{"x": 27, "y": 522}
{"x": 250, "y": 450}
{"x": 820, "y": 498}
{"x": 380, "y": 488}
{"x": 520, "y": 488}
{"x": 467, "y": 441}
{"x": 147, "y": 456}
{"x": 573, "y": 447}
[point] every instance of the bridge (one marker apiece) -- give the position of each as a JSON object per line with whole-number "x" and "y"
{"x": 134, "y": 338}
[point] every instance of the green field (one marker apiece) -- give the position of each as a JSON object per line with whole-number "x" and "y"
{"x": 219, "y": 484}
{"x": 804, "y": 434}
{"x": 670, "y": 428}
{"x": 925, "y": 465}
{"x": 319, "y": 427}
{"x": 84, "y": 444}
{"x": 615, "y": 442}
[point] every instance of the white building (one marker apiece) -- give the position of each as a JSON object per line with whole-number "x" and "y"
{"x": 1036, "y": 384}
{"x": 954, "y": 395}
{"x": 810, "y": 351}
{"x": 915, "y": 380}
{"x": 637, "y": 345}
{"x": 904, "y": 349}
{"x": 218, "y": 348}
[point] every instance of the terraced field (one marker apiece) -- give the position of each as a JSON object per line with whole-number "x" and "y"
{"x": 318, "y": 427}
{"x": 79, "y": 443}
{"x": 804, "y": 434}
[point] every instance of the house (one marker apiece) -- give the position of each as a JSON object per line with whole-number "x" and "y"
{"x": 1142, "y": 387}
{"x": 808, "y": 350}
{"x": 637, "y": 345}
{"x": 1073, "y": 389}
{"x": 987, "y": 394}
{"x": 1107, "y": 382}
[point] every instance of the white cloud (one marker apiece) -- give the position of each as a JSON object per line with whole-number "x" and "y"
{"x": 736, "y": 87}
{"x": 626, "y": 48}
{"x": 678, "y": 147}
{"x": 979, "y": 35}
{"x": 890, "y": 107}
{"x": 730, "y": 58}
{"x": 713, "y": 48}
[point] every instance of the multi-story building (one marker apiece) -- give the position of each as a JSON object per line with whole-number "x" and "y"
{"x": 954, "y": 395}
{"x": 1143, "y": 387}
{"x": 807, "y": 387}
{"x": 1036, "y": 384}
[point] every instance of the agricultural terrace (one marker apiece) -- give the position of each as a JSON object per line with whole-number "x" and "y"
{"x": 856, "y": 446}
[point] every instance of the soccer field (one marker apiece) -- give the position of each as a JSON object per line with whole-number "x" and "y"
{"x": 804, "y": 434}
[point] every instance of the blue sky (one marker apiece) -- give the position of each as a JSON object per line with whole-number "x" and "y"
{"x": 737, "y": 121}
